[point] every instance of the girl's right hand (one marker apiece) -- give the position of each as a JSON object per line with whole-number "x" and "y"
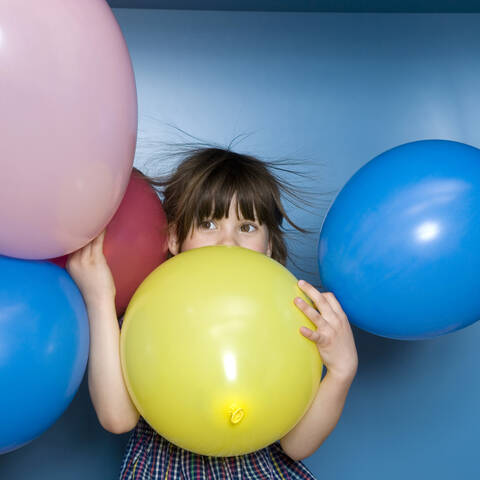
{"x": 90, "y": 271}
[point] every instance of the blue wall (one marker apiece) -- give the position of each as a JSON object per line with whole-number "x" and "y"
{"x": 333, "y": 90}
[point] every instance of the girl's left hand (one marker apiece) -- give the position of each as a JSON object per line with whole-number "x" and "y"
{"x": 333, "y": 336}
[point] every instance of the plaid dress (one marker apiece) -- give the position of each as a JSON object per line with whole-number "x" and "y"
{"x": 149, "y": 456}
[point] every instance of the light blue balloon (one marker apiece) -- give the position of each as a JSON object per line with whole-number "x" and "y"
{"x": 400, "y": 245}
{"x": 44, "y": 340}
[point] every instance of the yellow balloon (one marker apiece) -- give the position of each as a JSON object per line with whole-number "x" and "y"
{"x": 211, "y": 352}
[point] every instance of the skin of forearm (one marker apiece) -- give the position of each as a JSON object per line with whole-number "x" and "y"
{"x": 320, "y": 419}
{"x": 111, "y": 400}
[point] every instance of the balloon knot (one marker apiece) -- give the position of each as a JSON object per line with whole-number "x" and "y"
{"x": 236, "y": 415}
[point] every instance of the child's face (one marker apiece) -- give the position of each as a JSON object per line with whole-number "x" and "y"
{"x": 225, "y": 231}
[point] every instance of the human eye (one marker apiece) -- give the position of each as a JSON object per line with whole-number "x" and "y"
{"x": 207, "y": 225}
{"x": 248, "y": 227}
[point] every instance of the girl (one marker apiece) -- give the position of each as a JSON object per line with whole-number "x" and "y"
{"x": 215, "y": 197}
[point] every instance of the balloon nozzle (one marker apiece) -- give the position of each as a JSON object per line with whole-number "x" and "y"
{"x": 237, "y": 414}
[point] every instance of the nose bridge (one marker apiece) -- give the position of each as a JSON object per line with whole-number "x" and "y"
{"x": 228, "y": 234}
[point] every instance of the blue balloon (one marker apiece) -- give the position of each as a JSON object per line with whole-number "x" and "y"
{"x": 44, "y": 340}
{"x": 400, "y": 245}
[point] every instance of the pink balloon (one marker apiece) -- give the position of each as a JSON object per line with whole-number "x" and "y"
{"x": 68, "y": 123}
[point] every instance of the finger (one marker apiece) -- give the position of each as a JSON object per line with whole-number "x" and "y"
{"x": 313, "y": 315}
{"x": 319, "y": 300}
{"x": 73, "y": 256}
{"x": 334, "y": 303}
{"x": 68, "y": 262}
{"x": 321, "y": 336}
{"x": 97, "y": 244}
{"x": 74, "y": 260}
{"x": 85, "y": 252}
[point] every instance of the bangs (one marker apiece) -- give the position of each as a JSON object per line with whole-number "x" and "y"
{"x": 254, "y": 198}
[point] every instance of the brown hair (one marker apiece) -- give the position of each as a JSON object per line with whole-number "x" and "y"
{"x": 204, "y": 183}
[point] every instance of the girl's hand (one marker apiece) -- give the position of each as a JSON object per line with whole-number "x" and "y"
{"x": 90, "y": 271}
{"x": 333, "y": 336}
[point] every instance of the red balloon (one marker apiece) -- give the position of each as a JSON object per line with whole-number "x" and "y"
{"x": 135, "y": 239}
